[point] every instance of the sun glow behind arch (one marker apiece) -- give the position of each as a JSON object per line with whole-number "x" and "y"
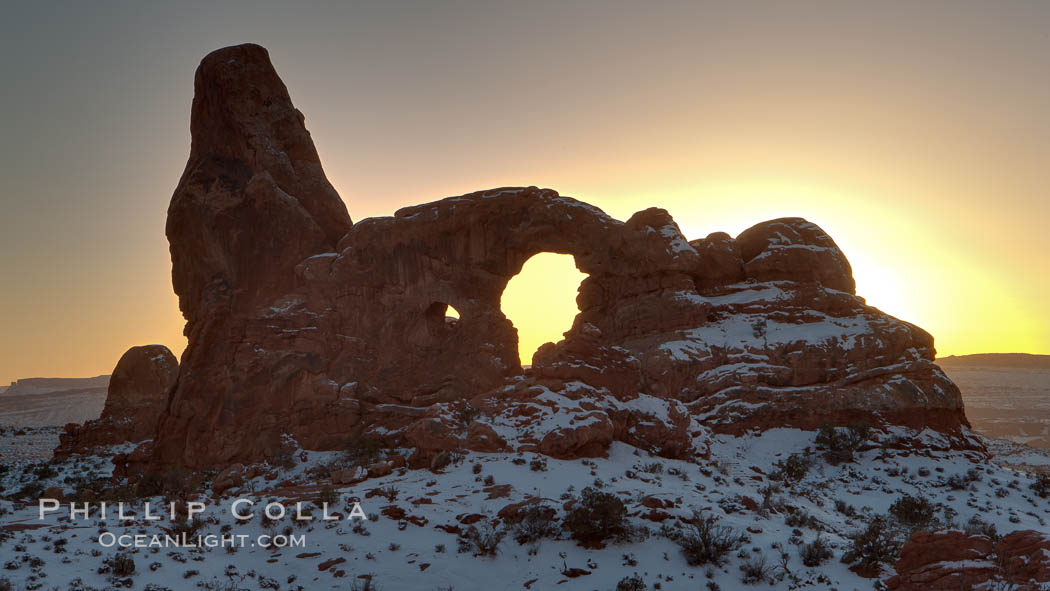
{"x": 899, "y": 257}
{"x": 541, "y": 301}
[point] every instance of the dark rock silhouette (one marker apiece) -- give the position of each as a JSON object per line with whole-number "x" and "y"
{"x": 138, "y": 392}
{"x": 302, "y": 324}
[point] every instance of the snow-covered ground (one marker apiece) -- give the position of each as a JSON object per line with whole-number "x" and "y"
{"x": 408, "y": 540}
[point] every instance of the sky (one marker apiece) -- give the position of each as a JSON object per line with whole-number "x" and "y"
{"x": 915, "y": 133}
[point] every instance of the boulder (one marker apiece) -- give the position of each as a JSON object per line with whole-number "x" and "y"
{"x": 947, "y": 560}
{"x": 944, "y": 561}
{"x": 1025, "y": 556}
{"x": 138, "y": 393}
{"x": 589, "y": 436}
{"x": 796, "y": 250}
{"x": 233, "y": 476}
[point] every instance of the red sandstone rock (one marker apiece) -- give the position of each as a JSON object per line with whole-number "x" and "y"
{"x": 53, "y": 492}
{"x": 948, "y": 560}
{"x": 233, "y": 476}
{"x": 589, "y": 437}
{"x": 1025, "y": 556}
{"x": 138, "y": 393}
{"x": 944, "y": 560}
{"x": 512, "y": 513}
{"x": 348, "y": 475}
{"x": 656, "y": 502}
{"x": 795, "y": 250}
{"x": 252, "y": 203}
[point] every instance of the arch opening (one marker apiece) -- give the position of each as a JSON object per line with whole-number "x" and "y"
{"x": 441, "y": 318}
{"x": 540, "y": 301}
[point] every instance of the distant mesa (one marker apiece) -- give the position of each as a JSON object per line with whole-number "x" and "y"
{"x": 48, "y": 402}
{"x": 1013, "y": 360}
{"x": 301, "y": 322}
{"x": 34, "y": 386}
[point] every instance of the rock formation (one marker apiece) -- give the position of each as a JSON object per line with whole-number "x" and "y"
{"x": 303, "y": 324}
{"x": 947, "y": 560}
{"x": 138, "y": 392}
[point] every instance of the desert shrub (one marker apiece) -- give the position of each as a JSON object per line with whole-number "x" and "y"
{"x": 913, "y": 512}
{"x": 1041, "y": 486}
{"x": 962, "y": 481}
{"x": 979, "y": 527}
{"x": 30, "y": 491}
{"x": 6, "y": 585}
{"x": 816, "y": 552}
{"x": 284, "y": 456}
{"x": 597, "y": 516}
{"x": 793, "y": 469}
{"x": 632, "y": 583}
{"x": 468, "y": 414}
{"x": 533, "y": 524}
{"x": 219, "y": 585}
{"x": 538, "y": 464}
{"x": 185, "y": 527}
{"x": 362, "y": 451}
{"x": 770, "y": 502}
{"x": 121, "y": 565}
{"x": 755, "y": 570}
{"x": 44, "y": 471}
{"x": 841, "y": 444}
{"x": 653, "y": 468}
{"x": 800, "y": 518}
{"x": 267, "y": 521}
{"x": 845, "y": 509}
{"x": 327, "y": 495}
{"x": 876, "y": 544}
{"x": 388, "y": 492}
{"x": 175, "y": 483}
{"x": 483, "y": 541}
{"x": 365, "y": 583}
{"x": 125, "y": 493}
{"x": 703, "y": 541}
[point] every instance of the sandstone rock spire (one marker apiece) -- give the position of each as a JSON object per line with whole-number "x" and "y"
{"x": 253, "y": 200}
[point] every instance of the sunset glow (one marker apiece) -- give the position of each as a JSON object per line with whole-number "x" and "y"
{"x": 541, "y": 301}
{"x": 924, "y": 159}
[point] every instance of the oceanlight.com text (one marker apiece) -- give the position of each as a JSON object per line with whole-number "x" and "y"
{"x": 109, "y": 540}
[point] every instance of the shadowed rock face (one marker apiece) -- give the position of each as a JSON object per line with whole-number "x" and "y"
{"x": 301, "y": 323}
{"x": 946, "y": 560}
{"x": 138, "y": 392}
{"x": 253, "y": 200}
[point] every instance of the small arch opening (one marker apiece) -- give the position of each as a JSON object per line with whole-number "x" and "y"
{"x": 441, "y": 318}
{"x": 541, "y": 301}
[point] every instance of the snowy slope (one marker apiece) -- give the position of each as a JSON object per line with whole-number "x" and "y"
{"x": 410, "y": 550}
